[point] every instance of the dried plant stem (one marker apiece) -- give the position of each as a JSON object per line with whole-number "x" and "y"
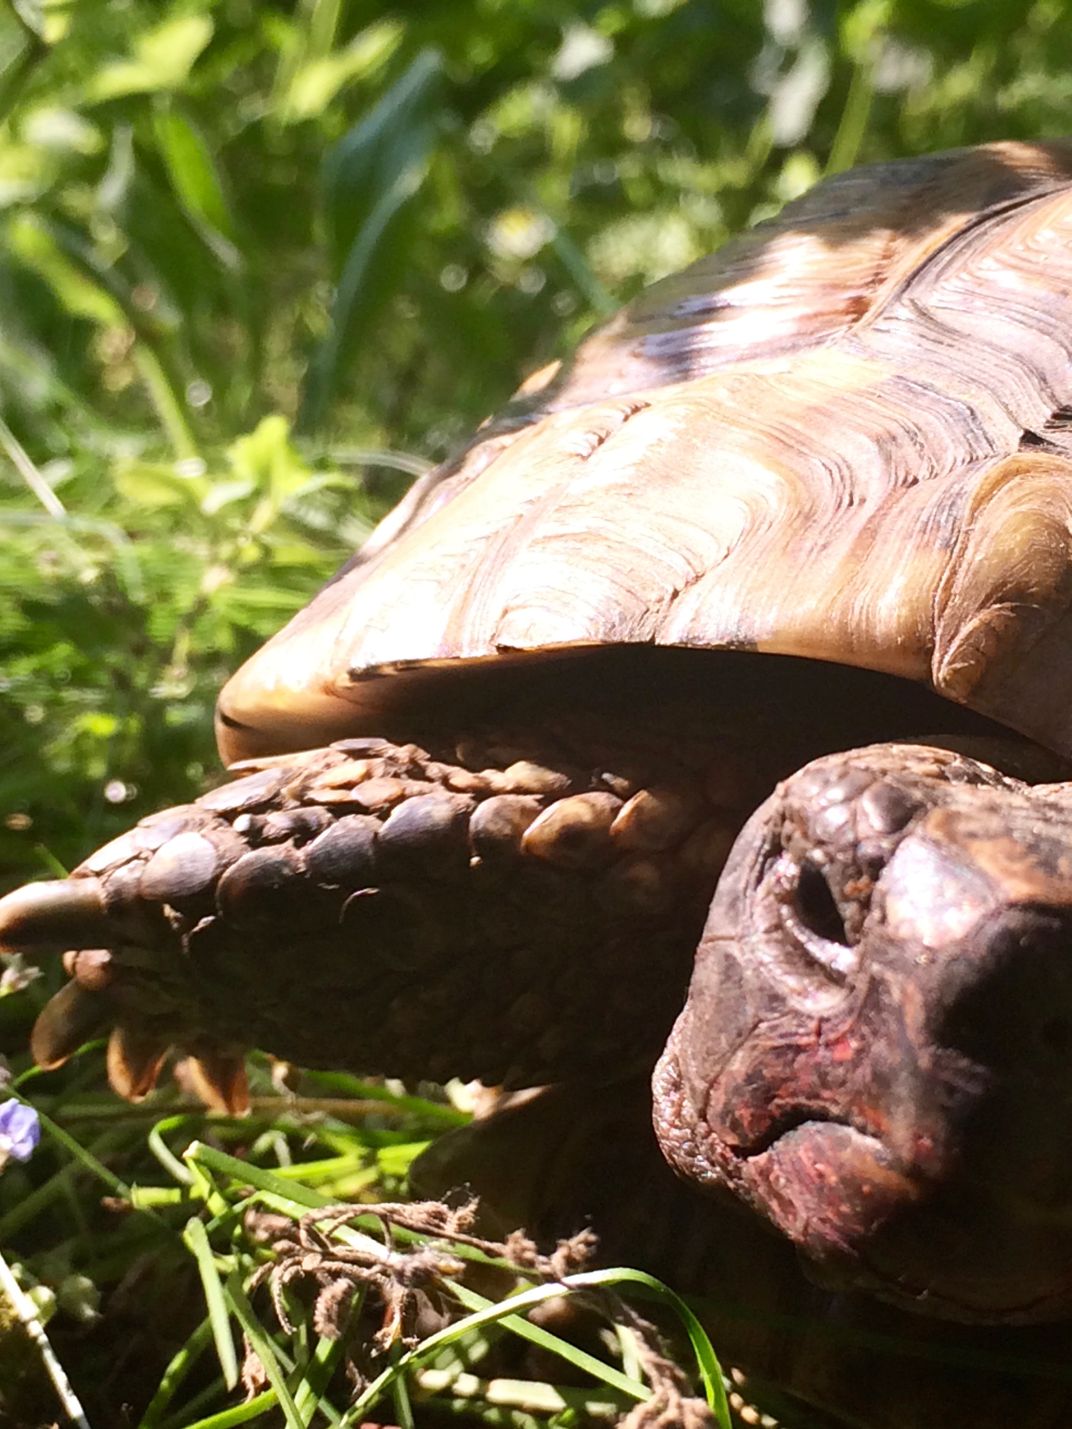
{"x": 24, "y": 465}
{"x": 27, "y": 1313}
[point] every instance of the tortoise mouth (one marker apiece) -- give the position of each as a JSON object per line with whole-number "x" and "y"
{"x": 861, "y": 1220}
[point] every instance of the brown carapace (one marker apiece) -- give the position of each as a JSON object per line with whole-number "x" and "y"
{"x": 805, "y": 500}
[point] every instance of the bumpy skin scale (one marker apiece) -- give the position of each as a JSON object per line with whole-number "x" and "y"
{"x": 369, "y": 905}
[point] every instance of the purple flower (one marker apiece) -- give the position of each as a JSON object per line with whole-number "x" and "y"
{"x": 20, "y": 1131}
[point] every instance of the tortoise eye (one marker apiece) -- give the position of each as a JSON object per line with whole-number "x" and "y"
{"x": 810, "y": 915}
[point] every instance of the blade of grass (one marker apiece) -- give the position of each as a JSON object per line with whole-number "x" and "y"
{"x": 479, "y": 1305}
{"x": 499, "y": 1416}
{"x": 400, "y": 1400}
{"x": 435, "y": 1113}
{"x": 178, "y": 1367}
{"x": 163, "y": 1153}
{"x": 197, "y": 1241}
{"x": 86, "y": 1158}
{"x": 30, "y": 1206}
{"x": 22, "y": 462}
{"x": 484, "y": 1313}
{"x": 264, "y": 1350}
{"x": 239, "y": 1414}
{"x": 487, "y": 1313}
{"x": 536, "y": 1396}
{"x": 18, "y": 70}
{"x": 208, "y": 1159}
{"x": 706, "y": 1359}
{"x": 316, "y": 1374}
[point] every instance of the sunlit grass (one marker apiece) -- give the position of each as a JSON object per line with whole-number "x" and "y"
{"x": 195, "y": 1217}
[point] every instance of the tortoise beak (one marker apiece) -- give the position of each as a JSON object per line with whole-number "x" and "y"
{"x": 875, "y": 1052}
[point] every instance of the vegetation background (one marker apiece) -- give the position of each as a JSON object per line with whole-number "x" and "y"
{"x": 262, "y": 262}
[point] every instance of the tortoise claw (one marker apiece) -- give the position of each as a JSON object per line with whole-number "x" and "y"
{"x": 69, "y": 1018}
{"x": 218, "y": 1079}
{"x": 134, "y": 1062}
{"x": 69, "y": 913}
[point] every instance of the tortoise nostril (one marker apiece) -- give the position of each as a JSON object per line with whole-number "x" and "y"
{"x": 816, "y": 907}
{"x": 809, "y": 914}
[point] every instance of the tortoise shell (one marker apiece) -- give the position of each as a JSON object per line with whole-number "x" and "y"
{"x": 847, "y": 436}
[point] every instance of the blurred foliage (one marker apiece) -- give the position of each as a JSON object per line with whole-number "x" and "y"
{"x": 259, "y": 261}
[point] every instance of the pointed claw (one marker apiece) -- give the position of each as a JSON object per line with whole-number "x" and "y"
{"x": 66, "y": 914}
{"x": 67, "y": 1020}
{"x": 134, "y": 1062}
{"x": 219, "y": 1080}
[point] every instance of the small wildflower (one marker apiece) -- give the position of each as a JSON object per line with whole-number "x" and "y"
{"x": 20, "y": 1131}
{"x": 18, "y": 974}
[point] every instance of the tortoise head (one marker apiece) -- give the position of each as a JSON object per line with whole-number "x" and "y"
{"x": 875, "y": 1051}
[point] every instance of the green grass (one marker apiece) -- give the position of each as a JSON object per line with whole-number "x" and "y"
{"x": 186, "y": 1196}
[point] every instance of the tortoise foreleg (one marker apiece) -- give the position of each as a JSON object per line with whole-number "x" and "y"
{"x": 370, "y": 906}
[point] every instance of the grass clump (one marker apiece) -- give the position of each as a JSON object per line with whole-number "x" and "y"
{"x": 239, "y": 1287}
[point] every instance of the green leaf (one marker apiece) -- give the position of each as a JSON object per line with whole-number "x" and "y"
{"x": 317, "y": 82}
{"x": 197, "y": 1242}
{"x": 484, "y": 1312}
{"x": 162, "y": 60}
{"x": 197, "y": 1154}
{"x": 370, "y": 178}
{"x": 265, "y": 1351}
{"x": 180, "y": 1365}
{"x": 267, "y": 461}
{"x": 195, "y": 179}
{"x": 31, "y": 14}
{"x": 153, "y": 484}
{"x": 34, "y": 244}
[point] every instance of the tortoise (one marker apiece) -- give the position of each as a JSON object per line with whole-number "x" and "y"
{"x": 798, "y": 519}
